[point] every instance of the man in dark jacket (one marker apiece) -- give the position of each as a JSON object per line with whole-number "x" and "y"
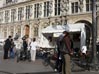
{"x": 66, "y": 52}
{"x": 7, "y": 47}
{"x": 25, "y": 45}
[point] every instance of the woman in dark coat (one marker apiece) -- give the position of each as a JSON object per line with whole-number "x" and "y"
{"x": 7, "y": 47}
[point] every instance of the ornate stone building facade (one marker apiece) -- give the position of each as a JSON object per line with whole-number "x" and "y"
{"x": 29, "y": 17}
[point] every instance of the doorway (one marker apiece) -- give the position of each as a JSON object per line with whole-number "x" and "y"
{"x": 27, "y": 29}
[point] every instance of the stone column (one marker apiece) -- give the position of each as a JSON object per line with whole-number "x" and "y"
{"x": 84, "y": 6}
{"x": 97, "y": 27}
{"x": 8, "y": 30}
{"x": 22, "y": 31}
{"x": 14, "y": 33}
{"x": 30, "y": 30}
{"x": 0, "y": 31}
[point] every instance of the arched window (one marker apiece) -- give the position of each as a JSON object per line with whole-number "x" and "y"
{"x": 5, "y": 32}
{"x": 12, "y": 31}
{"x": 19, "y": 30}
{"x": 36, "y": 31}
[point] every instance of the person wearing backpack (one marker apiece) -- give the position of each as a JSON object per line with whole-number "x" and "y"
{"x": 67, "y": 52}
{"x": 58, "y": 63}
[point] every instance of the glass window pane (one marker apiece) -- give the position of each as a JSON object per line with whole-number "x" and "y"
{"x": 72, "y": 7}
{"x": 57, "y": 7}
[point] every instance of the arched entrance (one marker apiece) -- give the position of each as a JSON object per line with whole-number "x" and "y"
{"x": 5, "y": 32}
{"x": 27, "y": 29}
{"x": 88, "y": 27}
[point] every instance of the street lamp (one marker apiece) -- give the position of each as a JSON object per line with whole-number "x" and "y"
{"x": 94, "y": 36}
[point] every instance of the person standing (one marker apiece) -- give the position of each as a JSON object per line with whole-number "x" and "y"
{"x": 7, "y": 47}
{"x": 33, "y": 47}
{"x": 12, "y": 49}
{"x": 18, "y": 46}
{"x": 58, "y": 63}
{"x": 25, "y": 46}
{"x": 66, "y": 52}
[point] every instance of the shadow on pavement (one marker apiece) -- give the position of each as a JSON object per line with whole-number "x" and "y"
{"x": 40, "y": 73}
{"x": 4, "y": 72}
{"x": 78, "y": 70}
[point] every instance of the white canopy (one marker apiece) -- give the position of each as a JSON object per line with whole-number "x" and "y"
{"x": 78, "y": 27}
{"x": 61, "y": 28}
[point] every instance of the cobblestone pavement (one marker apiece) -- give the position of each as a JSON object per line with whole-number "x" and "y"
{"x": 10, "y": 66}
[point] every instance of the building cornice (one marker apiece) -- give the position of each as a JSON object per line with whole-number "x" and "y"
{"x": 21, "y": 3}
{"x": 84, "y": 13}
{"x": 52, "y": 17}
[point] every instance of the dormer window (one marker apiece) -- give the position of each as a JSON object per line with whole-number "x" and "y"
{"x": 8, "y": 1}
{"x": 11, "y": 1}
{"x": 74, "y": 7}
{"x": 88, "y": 5}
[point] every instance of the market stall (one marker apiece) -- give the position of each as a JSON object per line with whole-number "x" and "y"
{"x": 56, "y": 30}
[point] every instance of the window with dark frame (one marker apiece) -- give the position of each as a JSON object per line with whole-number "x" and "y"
{"x": 8, "y": 1}
{"x": 13, "y": 15}
{"x": 46, "y": 9}
{"x": 1, "y": 17}
{"x": 57, "y": 7}
{"x": 36, "y": 10}
{"x": 88, "y": 5}
{"x": 20, "y": 13}
{"x": 7, "y": 12}
{"x": 74, "y": 7}
{"x": 27, "y": 12}
{"x": 11, "y": 1}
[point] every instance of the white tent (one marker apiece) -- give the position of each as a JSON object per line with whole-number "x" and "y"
{"x": 61, "y": 28}
{"x": 78, "y": 27}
